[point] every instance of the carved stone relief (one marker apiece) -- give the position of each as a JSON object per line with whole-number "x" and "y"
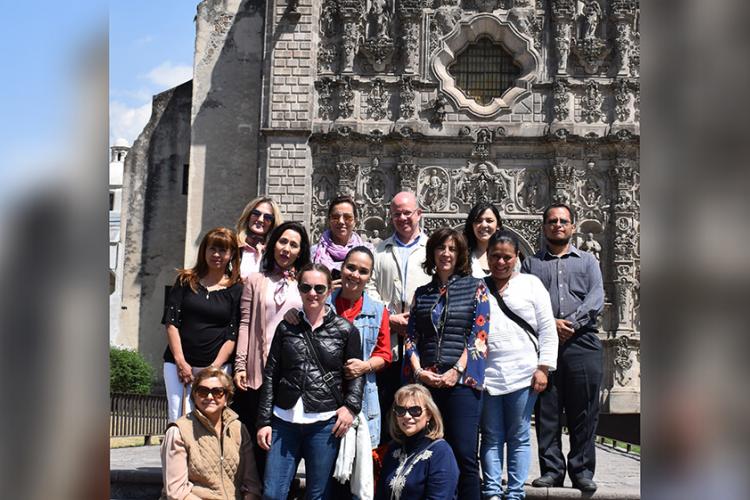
{"x": 622, "y": 100}
{"x": 406, "y": 98}
{"x": 324, "y": 87}
{"x": 434, "y": 188}
{"x": 348, "y": 172}
{"x": 377, "y": 100}
{"x": 352, "y": 16}
{"x": 378, "y": 45}
{"x": 622, "y": 359}
{"x": 346, "y": 98}
{"x": 532, "y": 196}
{"x": 562, "y": 181}
{"x": 560, "y": 100}
{"x": 591, "y": 102}
{"x": 479, "y": 182}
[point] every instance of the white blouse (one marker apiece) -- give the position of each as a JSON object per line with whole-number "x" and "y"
{"x": 512, "y": 356}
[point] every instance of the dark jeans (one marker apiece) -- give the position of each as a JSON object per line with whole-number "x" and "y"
{"x": 461, "y": 407}
{"x": 573, "y": 388}
{"x": 245, "y": 403}
{"x": 389, "y": 381}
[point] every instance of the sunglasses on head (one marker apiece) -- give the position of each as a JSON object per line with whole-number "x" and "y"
{"x": 306, "y": 287}
{"x": 217, "y": 392}
{"x": 258, "y": 213}
{"x": 414, "y": 411}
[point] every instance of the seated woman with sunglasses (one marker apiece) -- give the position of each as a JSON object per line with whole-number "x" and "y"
{"x": 192, "y": 468}
{"x": 258, "y": 219}
{"x": 306, "y": 403}
{"x": 418, "y": 463}
{"x": 339, "y": 238}
{"x": 266, "y": 297}
{"x": 446, "y": 348}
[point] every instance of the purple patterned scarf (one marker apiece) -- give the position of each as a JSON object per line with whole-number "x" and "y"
{"x": 331, "y": 254}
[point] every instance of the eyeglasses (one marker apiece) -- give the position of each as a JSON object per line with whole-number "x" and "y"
{"x": 217, "y": 392}
{"x": 348, "y": 218}
{"x": 258, "y": 213}
{"x": 306, "y": 287}
{"x": 414, "y": 411}
{"x": 353, "y": 269}
{"x": 405, "y": 213}
{"x": 562, "y": 222}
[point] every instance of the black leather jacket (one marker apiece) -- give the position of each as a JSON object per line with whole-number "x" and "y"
{"x": 291, "y": 371}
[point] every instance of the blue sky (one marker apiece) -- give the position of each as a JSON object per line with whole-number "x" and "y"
{"x": 151, "y": 46}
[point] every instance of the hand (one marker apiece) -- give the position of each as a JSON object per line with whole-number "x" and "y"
{"x": 292, "y": 316}
{"x": 336, "y": 284}
{"x": 344, "y": 419}
{"x": 399, "y": 323}
{"x": 185, "y": 372}
{"x": 240, "y": 380}
{"x": 564, "y": 329}
{"x": 430, "y": 378}
{"x": 264, "y": 437}
{"x": 539, "y": 380}
{"x": 355, "y": 368}
{"x": 449, "y": 378}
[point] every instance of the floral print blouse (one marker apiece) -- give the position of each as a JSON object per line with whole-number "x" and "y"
{"x": 476, "y": 343}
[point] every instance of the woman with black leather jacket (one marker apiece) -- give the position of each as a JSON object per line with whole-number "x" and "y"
{"x": 306, "y": 404}
{"x": 446, "y": 347}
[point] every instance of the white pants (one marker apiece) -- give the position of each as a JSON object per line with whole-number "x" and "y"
{"x": 175, "y": 390}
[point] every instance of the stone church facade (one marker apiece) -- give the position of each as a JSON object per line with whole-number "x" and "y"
{"x": 518, "y": 102}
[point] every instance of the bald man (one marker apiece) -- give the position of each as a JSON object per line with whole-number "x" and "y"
{"x": 397, "y": 273}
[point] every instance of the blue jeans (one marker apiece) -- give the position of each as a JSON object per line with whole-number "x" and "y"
{"x": 290, "y": 442}
{"x": 461, "y": 407}
{"x": 506, "y": 419}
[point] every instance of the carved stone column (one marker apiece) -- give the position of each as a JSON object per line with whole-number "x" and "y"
{"x": 407, "y": 173}
{"x": 622, "y": 14}
{"x": 410, "y": 14}
{"x": 563, "y": 13}
{"x": 351, "y": 12}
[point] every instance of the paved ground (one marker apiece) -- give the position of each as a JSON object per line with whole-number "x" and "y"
{"x": 617, "y": 474}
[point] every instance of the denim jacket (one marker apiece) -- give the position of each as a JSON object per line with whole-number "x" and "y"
{"x": 368, "y": 323}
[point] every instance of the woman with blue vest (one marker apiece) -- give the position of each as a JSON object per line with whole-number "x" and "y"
{"x": 372, "y": 320}
{"x": 446, "y": 347}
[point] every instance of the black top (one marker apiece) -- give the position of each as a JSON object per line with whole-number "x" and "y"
{"x": 205, "y": 320}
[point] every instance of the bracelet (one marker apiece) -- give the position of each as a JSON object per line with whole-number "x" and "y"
{"x": 369, "y": 367}
{"x": 458, "y": 368}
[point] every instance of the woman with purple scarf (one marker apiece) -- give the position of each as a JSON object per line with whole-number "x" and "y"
{"x": 339, "y": 238}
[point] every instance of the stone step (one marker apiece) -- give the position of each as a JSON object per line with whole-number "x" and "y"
{"x": 135, "y": 474}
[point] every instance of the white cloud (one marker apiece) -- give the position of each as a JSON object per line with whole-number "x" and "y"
{"x": 127, "y": 122}
{"x": 167, "y": 75}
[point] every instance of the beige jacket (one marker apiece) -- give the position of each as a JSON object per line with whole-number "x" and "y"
{"x": 198, "y": 464}
{"x": 389, "y": 286}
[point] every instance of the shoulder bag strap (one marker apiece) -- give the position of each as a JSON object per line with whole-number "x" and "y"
{"x": 513, "y": 316}
{"x": 328, "y": 377}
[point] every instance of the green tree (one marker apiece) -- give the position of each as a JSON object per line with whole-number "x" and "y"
{"x": 129, "y": 372}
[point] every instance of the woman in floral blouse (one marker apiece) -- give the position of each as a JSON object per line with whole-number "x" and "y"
{"x": 446, "y": 347}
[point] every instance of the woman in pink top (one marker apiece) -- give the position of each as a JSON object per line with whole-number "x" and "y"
{"x": 266, "y": 297}
{"x": 257, "y": 221}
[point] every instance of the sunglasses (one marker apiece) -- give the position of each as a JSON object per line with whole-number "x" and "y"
{"x": 306, "y": 287}
{"x": 414, "y": 411}
{"x": 348, "y": 218}
{"x": 562, "y": 222}
{"x": 258, "y": 213}
{"x": 217, "y": 392}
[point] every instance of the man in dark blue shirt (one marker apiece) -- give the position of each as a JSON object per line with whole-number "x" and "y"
{"x": 574, "y": 282}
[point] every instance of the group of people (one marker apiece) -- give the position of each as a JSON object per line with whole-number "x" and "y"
{"x": 278, "y": 350}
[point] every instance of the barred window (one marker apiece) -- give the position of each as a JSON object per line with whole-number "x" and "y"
{"x": 484, "y": 70}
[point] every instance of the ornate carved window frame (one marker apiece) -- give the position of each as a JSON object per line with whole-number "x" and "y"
{"x": 468, "y": 31}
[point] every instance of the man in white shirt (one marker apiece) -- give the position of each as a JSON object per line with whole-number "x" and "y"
{"x": 397, "y": 273}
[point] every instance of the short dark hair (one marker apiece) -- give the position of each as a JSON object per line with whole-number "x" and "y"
{"x": 436, "y": 239}
{"x": 268, "y": 262}
{"x": 314, "y": 266}
{"x": 476, "y": 211}
{"x": 360, "y": 249}
{"x": 503, "y": 236}
{"x": 560, "y": 205}
{"x": 343, "y": 199}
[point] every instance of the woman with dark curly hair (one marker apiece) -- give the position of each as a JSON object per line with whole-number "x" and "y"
{"x": 446, "y": 347}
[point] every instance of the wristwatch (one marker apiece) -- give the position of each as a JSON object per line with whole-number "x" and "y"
{"x": 459, "y": 369}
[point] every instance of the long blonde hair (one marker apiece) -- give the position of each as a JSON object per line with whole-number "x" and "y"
{"x": 424, "y": 398}
{"x": 242, "y": 222}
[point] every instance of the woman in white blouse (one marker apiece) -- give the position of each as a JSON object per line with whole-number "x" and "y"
{"x": 522, "y": 346}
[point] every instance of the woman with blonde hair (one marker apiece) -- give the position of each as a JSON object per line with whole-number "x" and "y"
{"x": 202, "y": 316}
{"x": 419, "y": 463}
{"x": 191, "y": 466}
{"x": 259, "y": 217}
